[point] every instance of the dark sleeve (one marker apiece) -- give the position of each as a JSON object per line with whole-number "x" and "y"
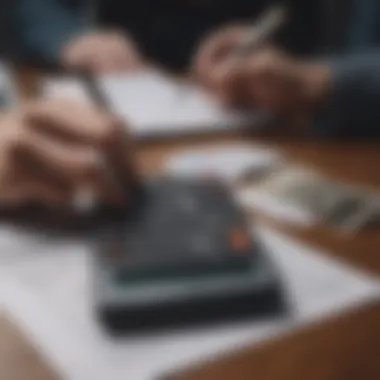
{"x": 354, "y": 107}
{"x": 302, "y": 34}
{"x": 44, "y": 26}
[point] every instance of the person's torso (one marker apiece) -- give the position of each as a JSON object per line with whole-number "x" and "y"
{"x": 169, "y": 31}
{"x": 364, "y": 25}
{"x": 351, "y": 25}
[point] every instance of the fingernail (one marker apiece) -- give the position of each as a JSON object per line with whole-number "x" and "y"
{"x": 223, "y": 71}
{"x": 218, "y": 74}
{"x": 85, "y": 201}
{"x": 94, "y": 158}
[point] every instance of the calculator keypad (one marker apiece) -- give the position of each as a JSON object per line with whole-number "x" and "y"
{"x": 183, "y": 226}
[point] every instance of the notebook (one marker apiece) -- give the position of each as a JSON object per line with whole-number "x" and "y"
{"x": 156, "y": 105}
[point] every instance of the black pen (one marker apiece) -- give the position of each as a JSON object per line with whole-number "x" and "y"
{"x": 94, "y": 90}
{"x": 99, "y": 98}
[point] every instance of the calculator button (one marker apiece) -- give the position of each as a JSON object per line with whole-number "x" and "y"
{"x": 202, "y": 244}
{"x": 212, "y": 181}
{"x": 115, "y": 252}
{"x": 188, "y": 204}
{"x": 240, "y": 240}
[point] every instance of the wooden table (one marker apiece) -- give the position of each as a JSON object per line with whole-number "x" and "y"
{"x": 343, "y": 348}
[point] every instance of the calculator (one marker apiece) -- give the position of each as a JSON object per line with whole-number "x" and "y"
{"x": 184, "y": 255}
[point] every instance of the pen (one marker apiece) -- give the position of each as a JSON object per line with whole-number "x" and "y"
{"x": 95, "y": 92}
{"x": 267, "y": 25}
{"x": 85, "y": 199}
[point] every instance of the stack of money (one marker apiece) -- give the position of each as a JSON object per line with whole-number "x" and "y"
{"x": 330, "y": 202}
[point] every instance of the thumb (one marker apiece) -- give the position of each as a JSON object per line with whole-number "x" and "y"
{"x": 233, "y": 80}
{"x": 34, "y": 192}
{"x": 241, "y": 69}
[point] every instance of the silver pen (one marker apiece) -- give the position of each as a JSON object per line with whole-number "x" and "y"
{"x": 259, "y": 33}
{"x": 265, "y": 27}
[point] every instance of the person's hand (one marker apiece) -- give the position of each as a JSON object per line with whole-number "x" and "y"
{"x": 102, "y": 52}
{"x": 50, "y": 151}
{"x": 272, "y": 80}
{"x": 215, "y": 49}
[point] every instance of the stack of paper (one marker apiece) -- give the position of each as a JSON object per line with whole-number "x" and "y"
{"x": 46, "y": 286}
{"x": 230, "y": 163}
{"x": 155, "y": 105}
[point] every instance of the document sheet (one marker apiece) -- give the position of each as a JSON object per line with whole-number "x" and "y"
{"x": 46, "y": 287}
{"x": 155, "y": 105}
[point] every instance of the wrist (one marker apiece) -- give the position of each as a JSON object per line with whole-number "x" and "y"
{"x": 317, "y": 82}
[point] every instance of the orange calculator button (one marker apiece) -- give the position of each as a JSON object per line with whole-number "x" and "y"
{"x": 240, "y": 240}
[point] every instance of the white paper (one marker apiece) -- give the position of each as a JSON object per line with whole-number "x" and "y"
{"x": 155, "y": 105}
{"x": 45, "y": 286}
{"x": 230, "y": 162}
{"x": 252, "y": 199}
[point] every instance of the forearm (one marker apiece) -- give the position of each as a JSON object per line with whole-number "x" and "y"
{"x": 44, "y": 26}
{"x": 301, "y": 34}
{"x": 352, "y": 106}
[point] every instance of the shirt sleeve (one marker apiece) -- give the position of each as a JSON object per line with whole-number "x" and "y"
{"x": 44, "y": 26}
{"x": 353, "y": 109}
{"x": 302, "y": 34}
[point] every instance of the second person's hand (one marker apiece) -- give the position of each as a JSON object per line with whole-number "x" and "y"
{"x": 272, "y": 80}
{"x": 215, "y": 49}
{"x": 101, "y": 53}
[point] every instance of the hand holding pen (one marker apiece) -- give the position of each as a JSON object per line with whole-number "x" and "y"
{"x": 116, "y": 156}
{"x": 237, "y": 41}
{"x": 253, "y": 73}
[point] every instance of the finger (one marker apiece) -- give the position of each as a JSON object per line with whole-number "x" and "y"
{"x": 206, "y": 56}
{"x": 38, "y": 192}
{"x": 47, "y": 195}
{"x": 270, "y": 78}
{"x": 259, "y": 64}
{"x": 71, "y": 165}
{"x": 216, "y": 50}
{"x": 76, "y": 55}
{"x": 115, "y": 55}
{"x": 120, "y": 62}
{"x": 72, "y": 122}
{"x": 115, "y": 143}
{"x": 240, "y": 81}
{"x": 122, "y": 156}
{"x": 101, "y": 60}
{"x": 129, "y": 60}
{"x": 53, "y": 158}
{"x": 206, "y": 62}
{"x": 101, "y": 183}
{"x": 230, "y": 83}
{"x": 124, "y": 52}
